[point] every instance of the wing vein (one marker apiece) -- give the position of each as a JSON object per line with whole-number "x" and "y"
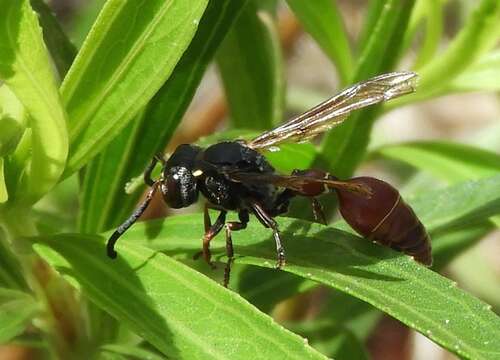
{"x": 336, "y": 109}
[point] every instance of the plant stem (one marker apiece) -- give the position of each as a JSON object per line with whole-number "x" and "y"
{"x": 61, "y": 320}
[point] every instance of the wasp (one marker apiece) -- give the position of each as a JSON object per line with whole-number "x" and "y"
{"x": 235, "y": 176}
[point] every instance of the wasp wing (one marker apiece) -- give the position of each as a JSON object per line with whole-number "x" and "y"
{"x": 295, "y": 182}
{"x": 336, "y": 109}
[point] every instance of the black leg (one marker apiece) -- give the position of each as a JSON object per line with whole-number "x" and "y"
{"x": 318, "y": 213}
{"x": 233, "y": 226}
{"x": 128, "y": 223}
{"x": 210, "y": 232}
{"x": 269, "y": 222}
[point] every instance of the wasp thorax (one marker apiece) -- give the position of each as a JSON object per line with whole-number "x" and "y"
{"x": 179, "y": 187}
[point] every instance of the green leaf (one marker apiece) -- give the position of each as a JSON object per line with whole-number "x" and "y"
{"x": 479, "y": 34}
{"x": 99, "y": 189}
{"x": 264, "y": 288}
{"x": 344, "y": 310}
{"x": 448, "y": 245}
{"x": 342, "y": 322}
{"x": 12, "y": 121}
{"x": 355, "y": 266}
{"x": 4, "y": 195}
{"x": 171, "y": 305}
{"x": 61, "y": 49}
{"x": 336, "y": 342}
{"x": 250, "y": 66}
{"x": 322, "y": 19}
{"x": 397, "y": 285}
{"x": 466, "y": 203}
{"x": 344, "y": 146}
{"x": 471, "y": 267}
{"x": 433, "y": 32}
{"x": 121, "y": 65}
{"x": 104, "y": 202}
{"x": 481, "y": 76}
{"x": 300, "y": 99}
{"x": 25, "y": 67}
{"x": 133, "y": 352}
{"x": 429, "y": 12}
{"x": 10, "y": 270}
{"x": 83, "y": 20}
{"x": 449, "y": 161}
{"x": 292, "y": 156}
{"x": 17, "y": 309}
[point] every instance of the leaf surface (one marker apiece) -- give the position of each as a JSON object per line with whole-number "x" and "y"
{"x": 17, "y": 309}
{"x": 449, "y": 161}
{"x": 397, "y": 285}
{"x": 26, "y": 68}
{"x": 170, "y": 305}
{"x": 130, "y": 52}
{"x": 250, "y": 65}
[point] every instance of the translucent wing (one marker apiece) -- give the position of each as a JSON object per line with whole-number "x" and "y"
{"x": 336, "y": 109}
{"x": 294, "y": 182}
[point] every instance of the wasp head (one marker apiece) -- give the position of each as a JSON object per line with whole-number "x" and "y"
{"x": 178, "y": 184}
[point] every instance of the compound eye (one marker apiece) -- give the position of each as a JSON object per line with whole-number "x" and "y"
{"x": 179, "y": 187}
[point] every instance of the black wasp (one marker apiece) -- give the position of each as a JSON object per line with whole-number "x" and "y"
{"x": 234, "y": 175}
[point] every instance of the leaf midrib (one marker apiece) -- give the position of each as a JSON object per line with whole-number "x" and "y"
{"x": 410, "y": 309}
{"x": 216, "y": 303}
{"x": 189, "y": 285}
{"x": 121, "y": 70}
{"x": 180, "y": 327}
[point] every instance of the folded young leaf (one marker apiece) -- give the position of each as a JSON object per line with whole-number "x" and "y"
{"x": 26, "y": 68}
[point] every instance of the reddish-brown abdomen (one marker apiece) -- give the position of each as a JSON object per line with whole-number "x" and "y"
{"x": 385, "y": 218}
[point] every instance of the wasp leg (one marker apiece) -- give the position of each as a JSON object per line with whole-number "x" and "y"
{"x": 269, "y": 222}
{"x": 128, "y": 223}
{"x": 206, "y": 218}
{"x": 318, "y": 213}
{"x": 210, "y": 232}
{"x": 233, "y": 226}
